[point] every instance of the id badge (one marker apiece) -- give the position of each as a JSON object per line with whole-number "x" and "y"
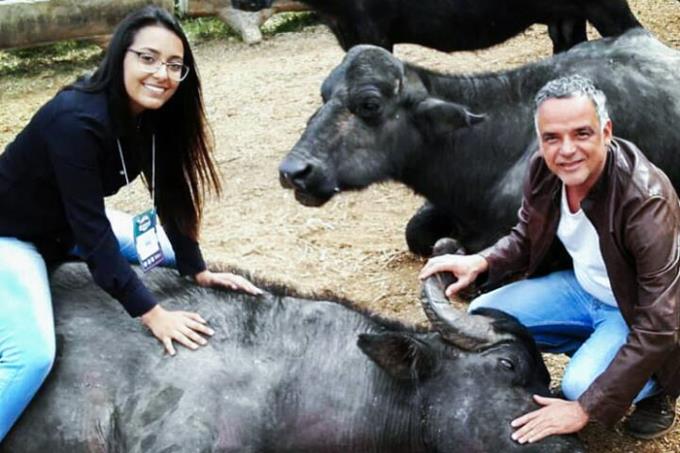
{"x": 146, "y": 240}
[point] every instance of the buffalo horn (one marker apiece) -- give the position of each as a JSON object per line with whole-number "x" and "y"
{"x": 466, "y": 331}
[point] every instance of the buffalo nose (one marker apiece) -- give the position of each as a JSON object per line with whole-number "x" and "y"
{"x": 293, "y": 173}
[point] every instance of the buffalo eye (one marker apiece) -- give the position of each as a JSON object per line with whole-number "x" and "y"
{"x": 369, "y": 107}
{"x": 506, "y": 363}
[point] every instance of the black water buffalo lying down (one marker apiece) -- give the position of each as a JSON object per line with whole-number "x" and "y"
{"x": 450, "y": 25}
{"x": 386, "y": 120}
{"x": 281, "y": 374}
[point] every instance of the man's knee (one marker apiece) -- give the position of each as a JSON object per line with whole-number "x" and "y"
{"x": 486, "y": 301}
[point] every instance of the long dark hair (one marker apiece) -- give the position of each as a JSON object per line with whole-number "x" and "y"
{"x": 185, "y": 168}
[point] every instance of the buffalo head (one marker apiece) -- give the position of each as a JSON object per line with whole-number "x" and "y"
{"x": 473, "y": 374}
{"x": 376, "y": 118}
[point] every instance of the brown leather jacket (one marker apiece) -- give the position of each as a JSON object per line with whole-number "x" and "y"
{"x": 636, "y": 214}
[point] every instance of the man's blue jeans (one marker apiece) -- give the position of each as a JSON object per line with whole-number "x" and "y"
{"x": 564, "y": 318}
{"x": 27, "y": 344}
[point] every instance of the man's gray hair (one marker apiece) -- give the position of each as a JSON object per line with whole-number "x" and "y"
{"x": 571, "y": 86}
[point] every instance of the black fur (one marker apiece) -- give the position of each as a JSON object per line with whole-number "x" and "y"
{"x": 281, "y": 374}
{"x": 450, "y": 25}
{"x": 472, "y": 174}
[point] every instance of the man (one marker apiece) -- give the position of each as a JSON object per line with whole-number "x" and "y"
{"x": 615, "y": 311}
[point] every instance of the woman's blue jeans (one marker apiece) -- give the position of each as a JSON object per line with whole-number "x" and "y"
{"x": 27, "y": 343}
{"x": 564, "y": 318}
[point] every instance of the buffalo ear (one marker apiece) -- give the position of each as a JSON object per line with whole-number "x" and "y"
{"x": 401, "y": 355}
{"x": 444, "y": 117}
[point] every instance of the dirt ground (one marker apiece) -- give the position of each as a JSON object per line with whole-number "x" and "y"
{"x": 258, "y": 99}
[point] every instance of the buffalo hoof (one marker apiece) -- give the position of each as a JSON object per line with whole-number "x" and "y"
{"x": 447, "y": 246}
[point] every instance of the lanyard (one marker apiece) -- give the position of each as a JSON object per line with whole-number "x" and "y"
{"x": 144, "y": 232}
{"x": 153, "y": 167}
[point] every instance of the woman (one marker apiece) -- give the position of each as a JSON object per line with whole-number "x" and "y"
{"x": 140, "y": 112}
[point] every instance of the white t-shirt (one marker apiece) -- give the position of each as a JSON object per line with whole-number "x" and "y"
{"x": 581, "y": 241}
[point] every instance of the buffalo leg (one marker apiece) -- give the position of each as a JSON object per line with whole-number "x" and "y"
{"x": 426, "y": 226}
{"x": 611, "y": 17}
{"x": 567, "y": 33}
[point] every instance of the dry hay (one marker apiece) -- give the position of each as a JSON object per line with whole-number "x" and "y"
{"x": 258, "y": 100}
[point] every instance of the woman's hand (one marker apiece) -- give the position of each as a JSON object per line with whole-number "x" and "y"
{"x": 226, "y": 280}
{"x": 181, "y": 326}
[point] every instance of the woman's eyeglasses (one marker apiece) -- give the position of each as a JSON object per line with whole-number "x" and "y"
{"x": 148, "y": 62}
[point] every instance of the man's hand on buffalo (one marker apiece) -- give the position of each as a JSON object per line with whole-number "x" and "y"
{"x": 181, "y": 326}
{"x": 557, "y": 416}
{"x": 226, "y": 280}
{"x": 465, "y": 268}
